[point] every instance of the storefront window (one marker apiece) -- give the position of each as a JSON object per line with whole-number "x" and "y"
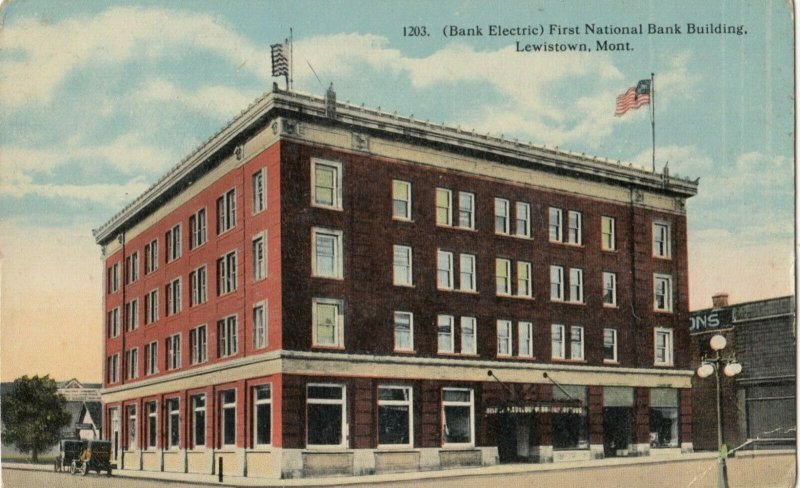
{"x": 394, "y": 415}
{"x": 457, "y": 415}
{"x": 664, "y": 417}
{"x": 325, "y": 415}
{"x": 570, "y": 430}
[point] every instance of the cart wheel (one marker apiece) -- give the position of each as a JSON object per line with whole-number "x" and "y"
{"x": 85, "y": 468}
{"x": 72, "y": 468}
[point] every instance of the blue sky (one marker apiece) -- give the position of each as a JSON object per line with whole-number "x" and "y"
{"x": 99, "y": 99}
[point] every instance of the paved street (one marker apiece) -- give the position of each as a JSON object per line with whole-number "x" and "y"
{"x": 777, "y": 471}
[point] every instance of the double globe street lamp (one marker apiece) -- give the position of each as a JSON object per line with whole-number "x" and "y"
{"x": 730, "y": 367}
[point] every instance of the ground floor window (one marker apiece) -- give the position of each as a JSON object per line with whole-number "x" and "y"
{"x": 228, "y": 418}
{"x": 262, "y": 415}
{"x": 618, "y": 420}
{"x": 199, "y": 421}
{"x": 458, "y": 413}
{"x": 174, "y": 421}
{"x": 131, "y": 415}
{"x": 570, "y": 429}
{"x": 325, "y": 415}
{"x": 152, "y": 426}
{"x": 395, "y": 416}
{"x": 664, "y": 417}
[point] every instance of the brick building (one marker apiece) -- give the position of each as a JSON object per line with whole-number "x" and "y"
{"x": 322, "y": 288}
{"x": 760, "y": 402}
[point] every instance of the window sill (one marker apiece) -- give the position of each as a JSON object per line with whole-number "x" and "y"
{"x": 335, "y": 278}
{"x": 404, "y": 285}
{"x": 664, "y": 312}
{"x": 610, "y": 306}
{"x": 664, "y": 365}
{"x": 615, "y": 250}
{"x": 568, "y": 244}
{"x": 404, "y": 351}
{"x": 663, "y": 258}
{"x": 326, "y": 207}
{"x": 403, "y": 219}
{"x": 457, "y": 355}
{"x": 610, "y": 361}
{"x": 399, "y": 448}
{"x": 455, "y": 227}
{"x": 458, "y": 447}
{"x": 567, "y": 360}
{"x": 328, "y": 348}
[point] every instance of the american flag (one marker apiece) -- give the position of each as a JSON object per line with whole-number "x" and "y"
{"x": 634, "y": 97}
{"x": 280, "y": 63}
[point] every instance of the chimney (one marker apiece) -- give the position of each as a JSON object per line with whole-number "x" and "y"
{"x": 720, "y": 299}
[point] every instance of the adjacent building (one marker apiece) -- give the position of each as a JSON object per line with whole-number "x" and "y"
{"x": 321, "y": 288}
{"x": 759, "y": 404}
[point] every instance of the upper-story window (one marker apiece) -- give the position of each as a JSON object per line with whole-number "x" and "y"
{"x": 227, "y": 337}
{"x": 610, "y": 345}
{"x": 328, "y": 322}
{"x": 326, "y": 184}
{"x": 173, "y": 241}
{"x": 444, "y": 270}
{"x": 151, "y": 306}
{"x": 401, "y": 200}
{"x": 326, "y": 247}
{"x": 575, "y": 234}
{"x": 466, "y": 210}
{"x": 151, "y": 257}
{"x": 504, "y": 338}
{"x": 576, "y": 342}
{"x": 132, "y": 314}
{"x": 226, "y": 273}
{"x": 403, "y": 266}
{"x": 113, "y": 369}
{"x": 197, "y": 282}
{"x": 259, "y": 190}
{"x": 609, "y": 289}
{"x": 576, "y": 285}
{"x": 523, "y": 220}
{"x": 444, "y": 207}
{"x": 174, "y": 351}
{"x": 608, "y": 238}
{"x": 132, "y": 267}
{"x": 197, "y": 229}
{"x": 503, "y": 276}
{"x": 558, "y": 342}
{"x": 444, "y": 326}
{"x": 198, "y": 345}
{"x": 173, "y": 292}
{"x": 662, "y": 243}
{"x": 226, "y": 211}
{"x": 556, "y": 229}
{"x": 556, "y": 283}
{"x": 525, "y": 330}
{"x": 260, "y": 325}
{"x": 260, "y": 257}
{"x": 113, "y": 322}
{"x": 151, "y": 358}
{"x": 113, "y": 278}
{"x": 662, "y": 293}
{"x": 663, "y": 347}
{"x": 466, "y": 272}
{"x": 502, "y": 217}
{"x": 524, "y": 279}
{"x": 403, "y": 331}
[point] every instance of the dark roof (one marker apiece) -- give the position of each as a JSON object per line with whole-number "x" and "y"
{"x": 95, "y": 411}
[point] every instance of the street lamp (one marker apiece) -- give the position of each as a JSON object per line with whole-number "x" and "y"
{"x": 730, "y": 367}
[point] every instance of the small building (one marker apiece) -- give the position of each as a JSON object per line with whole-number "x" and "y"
{"x": 759, "y": 403}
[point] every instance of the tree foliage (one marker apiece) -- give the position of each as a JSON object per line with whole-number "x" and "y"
{"x": 33, "y": 414}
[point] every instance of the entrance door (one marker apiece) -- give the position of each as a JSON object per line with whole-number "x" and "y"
{"x": 617, "y": 430}
{"x": 115, "y": 429}
{"x": 516, "y": 435}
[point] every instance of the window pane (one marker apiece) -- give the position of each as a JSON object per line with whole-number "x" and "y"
{"x": 468, "y": 335}
{"x": 445, "y": 326}
{"x": 324, "y": 424}
{"x": 263, "y": 423}
{"x": 325, "y": 392}
{"x": 402, "y": 331}
{"x": 393, "y": 424}
{"x": 457, "y": 424}
{"x": 326, "y": 323}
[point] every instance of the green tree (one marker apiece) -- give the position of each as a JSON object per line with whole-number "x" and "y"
{"x": 33, "y": 414}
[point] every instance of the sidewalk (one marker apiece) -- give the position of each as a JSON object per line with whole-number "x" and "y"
{"x": 496, "y": 470}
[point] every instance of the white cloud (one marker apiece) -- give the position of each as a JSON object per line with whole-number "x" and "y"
{"x": 114, "y": 195}
{"x": 40, "y": 56}
{"x": 217, "y": 100}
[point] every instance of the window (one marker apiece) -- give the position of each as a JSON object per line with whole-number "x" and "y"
{"x": 326, "y": 416}
{"x": 226, "y": 211}
{"x": 173, "y": 292}
{"x": 132, "y": 267}
{"x": 198, "y": 345}
{"x": 132, "y": 363}
{"x": 444, "y": 324}
{"x": 525, "y": 330}
{"x": 444, "y": 202}
{"x": 328, "y": 320}
{"x": 466, "y": 269}
{"x": 570, "y": 426}
{"x": 556, "y": 220}
{"x": 113, "y": 368}
{"x": 524, "y": 288}
{"x": 262, "y": 415}
{"x": 228, "y": 418}
{"x": 401, "y": 200}
{"x": 504, "y": 342}
{"x": 575, "y": 235}
{"x": 327, "y": 251}
{"x": 576, "y": 342}
{"x": 466, "y": 210}
{"x": 609, "y": 289}
{"x": 260, "y": 326}
{"x": 557, "y": 343}
{"x": 227, "y": 343}
{"x": 198, "y": 421}
{"x": 444, "y": 270}
{"x": 662, "y": 243}
{"x": 197, "y": 229}
{"x": 395, "y": 416}
{"x": 403, "y": 266}
{"x": 173, "y": 243}
{"x": 197, "y": 281}
{"x": 501, "y": 216}
{"x": 503, "y": 276}
{"x": 663, "y": 347}
{"x": 132, "y": 429}
{"x": 664, "y": 417}
{"x": 151, "y": 257}
{"x": 174, "y": 351}
{"x": 259, "y": 197}
{"x": 609, "y": 345}
{"x": 523, "y": 220}
{"x": 132, "y": 314}
{"x": 608, "y": 236}
{"x": 173, "y": 423}
{"x": 326, "y": 184}
{"x": 151, "y": 358}
{"x": 556, "y": 283}
{"x": 662, "y": 293}
{"x": 152, "y": 426}
{"x": 458, "y": 411}
{"x": 226, "y": 273}
{"x": 468, "y": 334}
{"x": 259, "y": 257}
{"x": 113, "y": 278}
{"x": 113, "y": 322}
{"x": 576, "y": 285}
{"x": 403, "y": 331}
{"x": 151, "y": 307}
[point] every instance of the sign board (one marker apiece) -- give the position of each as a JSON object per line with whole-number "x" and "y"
{"x": 707, "y": 320}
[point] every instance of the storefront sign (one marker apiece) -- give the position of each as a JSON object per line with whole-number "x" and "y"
{"x": 534, "y": 408}
{"x": 710, "y": 320}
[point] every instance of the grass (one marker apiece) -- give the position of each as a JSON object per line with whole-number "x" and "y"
{"x": 23, "y": 458}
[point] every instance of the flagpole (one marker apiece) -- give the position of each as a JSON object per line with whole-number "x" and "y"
{"x": 291, "y": 60}
{"x": 653, "y": 115}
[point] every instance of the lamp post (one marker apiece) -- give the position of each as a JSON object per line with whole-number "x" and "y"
{"x": 730, "y": 367}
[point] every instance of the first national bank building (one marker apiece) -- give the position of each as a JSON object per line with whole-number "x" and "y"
{"x": 323, "y": 289}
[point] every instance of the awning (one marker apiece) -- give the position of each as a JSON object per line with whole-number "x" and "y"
{"x": 536, "y": 407}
